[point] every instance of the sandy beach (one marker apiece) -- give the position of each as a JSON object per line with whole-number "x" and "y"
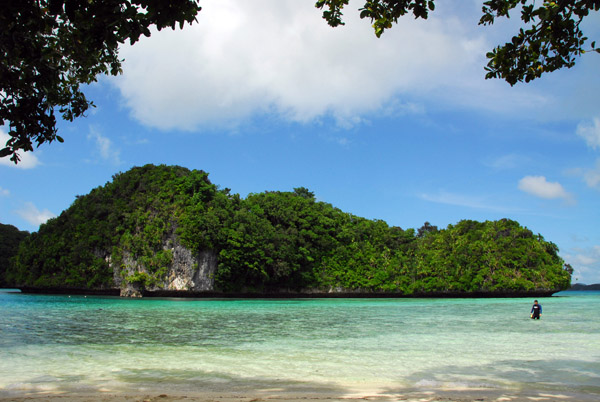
{"x": 102, "y": 349}
{"x": 274, "y": 396}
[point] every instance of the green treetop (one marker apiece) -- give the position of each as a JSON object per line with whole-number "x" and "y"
{"x": 272, "y": 242}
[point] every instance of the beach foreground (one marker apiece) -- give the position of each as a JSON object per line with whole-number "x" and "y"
{"x": 273, "y": 396}
{"x": 60, "y": 348}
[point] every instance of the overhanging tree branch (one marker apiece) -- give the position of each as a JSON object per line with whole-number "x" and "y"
{"x": 553, "y": 41}
{"x": 49, "y": 48}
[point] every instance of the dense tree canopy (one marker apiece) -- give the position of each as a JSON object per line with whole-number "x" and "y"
{"x": 273, "y": 241}
{"x": 49, "y": 48}
{"x": 10, "y": 238}
{"x": 550, "y": 39}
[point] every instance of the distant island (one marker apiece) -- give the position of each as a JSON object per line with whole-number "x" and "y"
{"x": 168, "y": 231}
{"x": 582, "y": 286}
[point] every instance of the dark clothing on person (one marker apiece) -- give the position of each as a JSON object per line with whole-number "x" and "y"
{"x": 536, "y": 311}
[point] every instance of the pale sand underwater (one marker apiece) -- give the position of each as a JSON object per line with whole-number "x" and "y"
{"x": 273, "y": 396}
{"x": 56, "y": 348}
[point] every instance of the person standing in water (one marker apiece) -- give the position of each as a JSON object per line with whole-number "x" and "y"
{"x": 536, "y": 310}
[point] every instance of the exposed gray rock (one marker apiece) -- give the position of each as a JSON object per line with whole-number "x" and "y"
{"x": 187, "y": 272}
{"x": 191, "y": 272}
{"x": 131, "y": 290}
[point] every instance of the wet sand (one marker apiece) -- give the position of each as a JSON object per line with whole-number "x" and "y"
{"x": 273, "y": 396}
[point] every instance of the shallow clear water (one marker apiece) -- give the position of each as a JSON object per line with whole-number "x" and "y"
{"x": 62, "y": 343}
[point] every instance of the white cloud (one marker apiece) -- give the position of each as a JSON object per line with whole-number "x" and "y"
{"x": 28, "y": 160}
{"x": 540, "y": 187}
{"x": 105, "y": 147}
{"x": 585, "y": 263}
{"x": 592, "y": 176}
{"x": 590, "y": 132}
{"x": 34, "y": 216}
{"x": 4, "y": 192}
{"x": 477, "y": 202}
{"x": 245, "y": 58}
{"x": 509, "y": 161}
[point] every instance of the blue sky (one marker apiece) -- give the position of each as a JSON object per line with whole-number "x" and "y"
{"x": 264, "y": 95}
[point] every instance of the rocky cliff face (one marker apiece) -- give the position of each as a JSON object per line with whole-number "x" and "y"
{"x": 187, "y": 272}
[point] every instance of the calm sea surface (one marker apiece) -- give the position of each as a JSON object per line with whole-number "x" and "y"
{"x": 83, "y": 344}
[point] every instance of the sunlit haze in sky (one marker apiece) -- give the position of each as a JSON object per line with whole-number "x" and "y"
{"x": 264, "y": 95}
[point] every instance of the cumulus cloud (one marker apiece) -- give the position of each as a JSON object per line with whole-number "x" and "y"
{"x": 105, "y": 147}
{"x": 247, "y": 58}
{"x": 4, "y": 192}
{"x": 586, "y": 264}
{"x": 28, "y": 160}
{"x": 34, "y": 216}
{"x": 540, "y": 187}
{"x": 590, "y": 132}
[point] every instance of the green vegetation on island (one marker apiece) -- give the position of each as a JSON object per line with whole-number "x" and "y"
{"x": 10, "y": 237}
{"x": 129, "y": 230}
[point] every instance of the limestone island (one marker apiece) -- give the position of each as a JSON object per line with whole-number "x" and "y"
{"x": 168, "y": 231}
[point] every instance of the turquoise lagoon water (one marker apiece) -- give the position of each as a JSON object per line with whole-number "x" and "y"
{"x": 88, "y": 344}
